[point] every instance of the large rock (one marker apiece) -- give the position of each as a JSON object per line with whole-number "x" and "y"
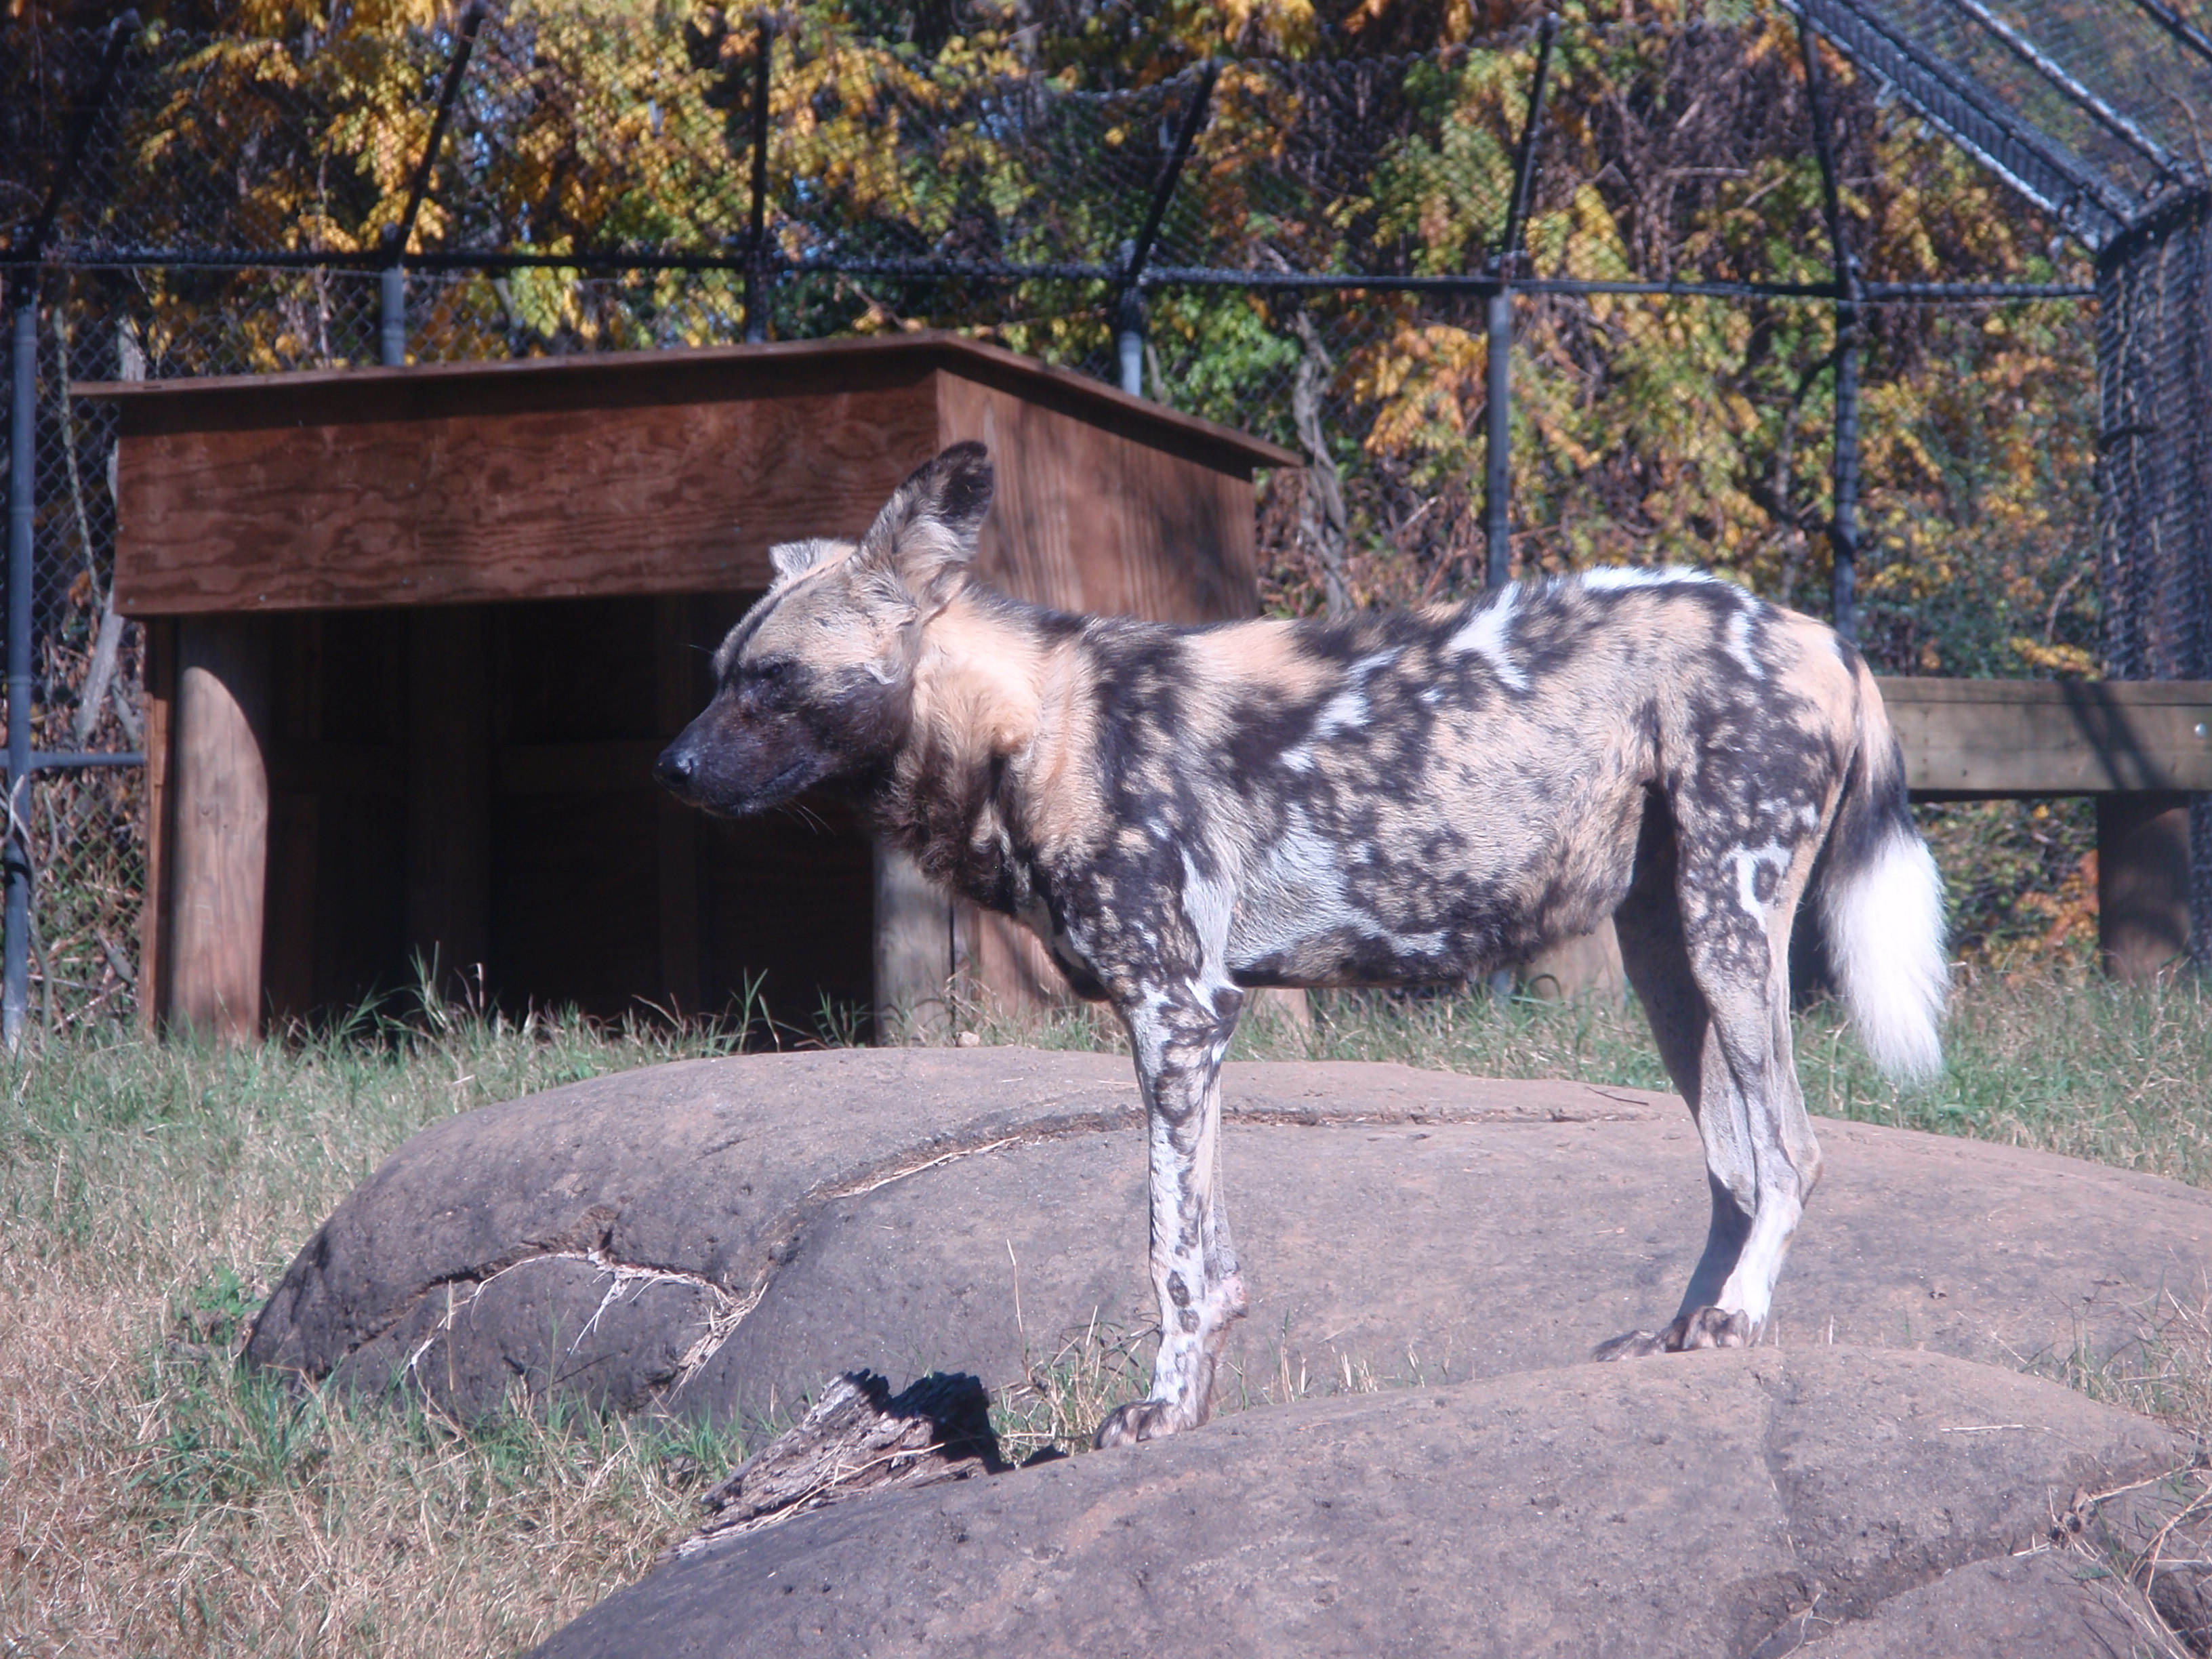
{"x": 721, "y": 1236}
{"x": 1839, "y": 1501}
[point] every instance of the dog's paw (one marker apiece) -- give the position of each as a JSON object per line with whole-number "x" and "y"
{"x": 1141, "y": 1419}
{"x": 1708, "y": 1327}
{"x": 1632, "y": 1344}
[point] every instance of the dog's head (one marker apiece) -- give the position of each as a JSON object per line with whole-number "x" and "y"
{"x": 816, "y": 681}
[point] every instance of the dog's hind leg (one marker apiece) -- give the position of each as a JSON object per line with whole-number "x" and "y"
{"x": 1653, "y": 951}
{"x": 1709, "y": 957}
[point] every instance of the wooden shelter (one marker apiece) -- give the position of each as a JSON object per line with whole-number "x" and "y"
{"x": 417, "y": 635}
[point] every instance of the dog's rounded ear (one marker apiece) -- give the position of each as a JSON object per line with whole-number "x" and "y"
{"x": 926, "y": 532}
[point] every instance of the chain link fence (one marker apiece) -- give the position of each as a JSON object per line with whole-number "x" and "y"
{"x": 82, "y": 827}
{"x": 1317, "y": 271}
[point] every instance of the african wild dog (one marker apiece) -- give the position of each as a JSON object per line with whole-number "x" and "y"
{"x": 1184, "y": 813}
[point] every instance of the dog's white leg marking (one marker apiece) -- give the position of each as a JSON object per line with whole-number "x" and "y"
{"x": 1180, "y": 1030}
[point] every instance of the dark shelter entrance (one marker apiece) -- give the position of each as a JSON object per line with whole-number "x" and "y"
{"x": 477, "y": 777}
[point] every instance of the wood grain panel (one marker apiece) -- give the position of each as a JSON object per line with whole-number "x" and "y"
{"x": 219, "y": 863}
{"x": 575, "y": 769}
{"x": 1006, "y": 967}
{"x": 574, "y": 895}
{"x": 914, "y": 957}
{"x": 632, "y": 380}
{"x": 312, "y": 767}
{"x": 788, "y": 897}
{"x": 1188, "y": 551}
{"x": 565, "y": 503}
{"x": 1982, "y": 739}
{"x": 1091, "y": 519}
{"x": 289, "y": 917}
{"x": 360, "y": 900}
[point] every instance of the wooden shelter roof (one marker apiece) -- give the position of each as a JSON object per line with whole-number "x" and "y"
{"x": 619, "y": 380}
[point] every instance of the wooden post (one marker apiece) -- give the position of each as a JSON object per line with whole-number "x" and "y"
{"x": 449, "y": 776}
{"x": 220, "y": 821}
{"x": 2142, "y": 883}
{"x": 1587, "y": 965}
{"x": 153, "y": 943}
{"x": 914, "y": 946}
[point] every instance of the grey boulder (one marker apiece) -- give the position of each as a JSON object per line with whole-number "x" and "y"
{"x": 719, "y": 1237}
{"x": 1828, "y": 1500}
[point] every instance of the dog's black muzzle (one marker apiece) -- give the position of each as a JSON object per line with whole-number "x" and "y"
{"x": 678, "y": 768}
{"x": 706, "y": 768}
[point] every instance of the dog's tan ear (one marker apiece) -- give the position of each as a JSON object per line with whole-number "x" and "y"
{"x": 926, "y": 532}
{"x": 791, "y": 560}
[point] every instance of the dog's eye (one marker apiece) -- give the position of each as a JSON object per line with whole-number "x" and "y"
{"x": 772, "y": 673}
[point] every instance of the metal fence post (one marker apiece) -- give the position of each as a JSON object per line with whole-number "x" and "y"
{"x": 1129, "y": 303}
{"x": 22, "y": 497}
{"x": 22, "y": 413}
{"x": 392, "y": 294}
{"x": 1843, "y": 521}
{"x": 1129, "y": 329}
{"x": 391, "y": 317}
{"x": 1844, "y": 527}
{"x": 1497, "y": 412}
{"x": 756, "y": 235}
{"x": 1497, "y": 437}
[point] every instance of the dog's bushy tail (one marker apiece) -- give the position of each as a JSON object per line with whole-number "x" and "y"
{"x": 1881, "y": 906}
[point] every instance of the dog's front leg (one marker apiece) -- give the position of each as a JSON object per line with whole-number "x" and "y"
{"x": 1180, "y": 1035}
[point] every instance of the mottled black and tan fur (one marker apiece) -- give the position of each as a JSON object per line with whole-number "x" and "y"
{"x": 1183, "y": 814}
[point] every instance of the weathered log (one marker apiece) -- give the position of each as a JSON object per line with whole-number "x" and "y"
{"x": 860, "y": 1438}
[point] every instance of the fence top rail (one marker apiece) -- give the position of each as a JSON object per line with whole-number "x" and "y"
{"x": 1969, "y": 739}
{"x": 2056, "y": 694}
{"x": 615, "y": 379}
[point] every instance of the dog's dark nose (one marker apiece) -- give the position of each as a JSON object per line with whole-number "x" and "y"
{"x": 675, "y": 767}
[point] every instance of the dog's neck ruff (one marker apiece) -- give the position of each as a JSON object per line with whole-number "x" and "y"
{"x": 992, "y": 704}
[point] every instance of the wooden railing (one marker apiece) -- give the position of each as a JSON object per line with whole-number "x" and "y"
{"x": 1986, "y": 739}
{"x": 2141, "y": 748}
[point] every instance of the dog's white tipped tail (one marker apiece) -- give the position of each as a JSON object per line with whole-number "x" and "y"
{"x": 1881, "y": 909}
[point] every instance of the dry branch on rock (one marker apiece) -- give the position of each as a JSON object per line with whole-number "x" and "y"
{"x": 859, "y": 1438}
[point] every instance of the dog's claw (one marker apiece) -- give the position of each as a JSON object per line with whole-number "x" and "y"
{"x": 1706, "y": 1327}
{"x": 1140, "y": 1419}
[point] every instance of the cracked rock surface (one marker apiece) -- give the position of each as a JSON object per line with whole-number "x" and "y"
{"x": 719, "y": 1237}
{"x": 1829, "y": 1500}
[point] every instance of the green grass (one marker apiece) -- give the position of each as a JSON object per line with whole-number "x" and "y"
{"x": 155, "y": 1500}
